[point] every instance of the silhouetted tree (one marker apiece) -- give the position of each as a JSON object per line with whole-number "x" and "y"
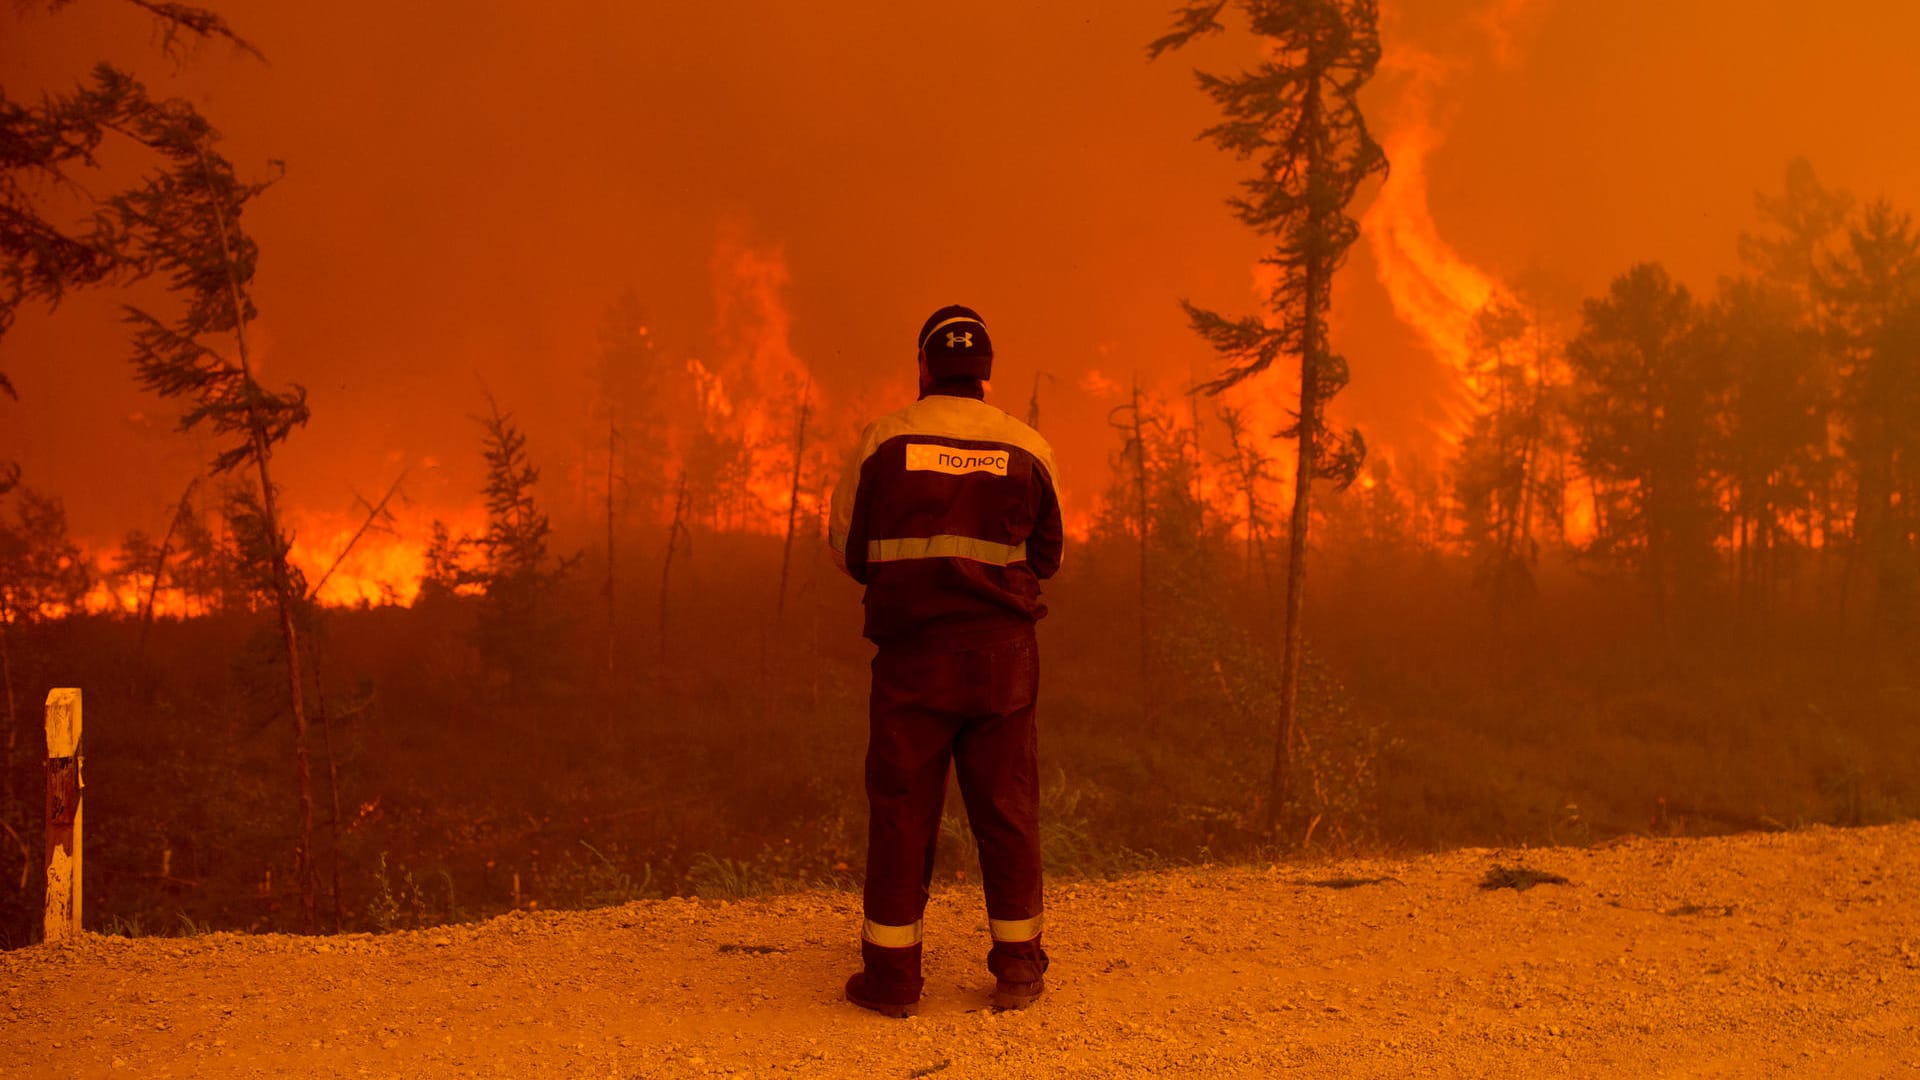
{"x": 205, "y": 571}
{"x": 804, "y": 406}
{"x": 1641, "y": 409}
{"x": 633, "y": 390}
{"x": 1250, "y": 468}
{"x": 1790, "y": 257}
{"x": 9, "y": 470}
{"x": 519, "y": 615}
{"x": 1873, "y": 286}
{"x": 183, "y": 222}
{"x": 444, "y": 561}
{"x": 44, "y": 148}
{"x": 1495, "y": 480}
{"x": 1297, "y": 114}
{"x": 42, "y": 574}
{"x": 1772, "y": 438}
{"x": 1139, "y": 425}
{"x": 137, "y": 565}
{"x": 679, "y": 538}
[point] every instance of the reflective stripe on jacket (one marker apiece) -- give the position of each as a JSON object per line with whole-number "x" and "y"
{"x": 948, "y": 514}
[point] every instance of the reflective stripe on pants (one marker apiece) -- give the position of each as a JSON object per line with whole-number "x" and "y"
{"x": 970, "y": 710}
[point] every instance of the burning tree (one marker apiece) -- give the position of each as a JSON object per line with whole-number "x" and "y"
{"x": 1248, "y": 464}
{"x": 1298, "y": 114}
{"x": 1496, "y": 479}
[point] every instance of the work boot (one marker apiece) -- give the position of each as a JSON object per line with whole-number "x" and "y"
{"x": 891, "y": 983}
{"x": 870, "y": 995}
{"x": 1019, "y": 969}
{"x": 1017, "y": 995}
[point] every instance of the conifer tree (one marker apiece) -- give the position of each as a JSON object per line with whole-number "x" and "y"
{"x": 1643, "y": 402}
{"x": 442, "y": 572}
{"x": 1873, "y": 286}
{"x": 1494, "y": 470}
{"x": 1297, "y": 116}
{"x": 1772, "y": 437}
{"x": 517, "y": 573}
{"x": 183, "y": 222}
{"x": 43, "y": 149}
{"x": 1790, "y": 257}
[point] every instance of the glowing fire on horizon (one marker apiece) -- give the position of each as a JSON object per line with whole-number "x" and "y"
{"x": 746, "y": 397}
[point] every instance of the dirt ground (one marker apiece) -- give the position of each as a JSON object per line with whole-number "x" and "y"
{"x": 1759, "y": 955}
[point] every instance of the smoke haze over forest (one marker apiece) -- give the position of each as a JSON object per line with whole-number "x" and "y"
{"x": 601, "y": 295}
{"x": 467, "y": 194}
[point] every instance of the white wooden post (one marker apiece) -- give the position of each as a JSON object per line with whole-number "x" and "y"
{"x": 63, "y": 815}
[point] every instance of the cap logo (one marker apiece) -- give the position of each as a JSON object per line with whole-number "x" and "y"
{"x": 955, "y": 338}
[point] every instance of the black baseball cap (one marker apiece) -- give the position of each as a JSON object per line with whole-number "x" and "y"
{"x": 955, "y": 344}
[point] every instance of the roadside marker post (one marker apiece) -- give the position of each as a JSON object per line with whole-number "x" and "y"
{"x": 63, "y": 815}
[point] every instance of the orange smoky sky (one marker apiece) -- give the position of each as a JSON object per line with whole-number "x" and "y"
{"x": 470, "y": 187}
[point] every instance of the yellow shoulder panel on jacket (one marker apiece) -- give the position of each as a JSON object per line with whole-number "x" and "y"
{"x": 968, "y": 418}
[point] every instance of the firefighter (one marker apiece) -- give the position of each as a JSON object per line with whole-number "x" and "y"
{"x": 947, "y": 513}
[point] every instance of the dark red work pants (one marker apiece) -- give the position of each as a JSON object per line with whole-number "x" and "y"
{"x": 969, "y": 704}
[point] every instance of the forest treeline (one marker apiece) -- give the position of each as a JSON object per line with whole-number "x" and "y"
{"x": 1640, "y": 492}
{"x": 1751, "y": 447}
{"x": 1664, "y": 578}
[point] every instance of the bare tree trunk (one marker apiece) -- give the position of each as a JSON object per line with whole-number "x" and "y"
{"x": 1193, "y": 403}
{"x": 160, "y": 567}
{"x": 606, "y": 587}
{"x": 666, "y": 567}
{"x": 373, "y": 515}
{"x": 1140, "y": 492}
{"x": 13, "y": 718}
{"x": 1253, "y": 530}
{"x": 326, "y": 720}
{"x": 1530, "y": 448}
{"x": 290, "y": 639}
{"x": 283, "y": 583}
{"x": 793, "y": 500}
{"x": 1280, "y": 784}
{"x": 1249, "y": 467}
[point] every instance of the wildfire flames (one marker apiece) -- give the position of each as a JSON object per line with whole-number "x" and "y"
{"x": 745, "y": 403}
{"x": 736, "y": 411}
{"x": 1432, "y": 288}
{"x": 755, "y": 395}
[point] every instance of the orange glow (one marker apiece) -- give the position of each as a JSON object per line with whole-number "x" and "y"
{"x": 1431, "y": 287}
{"x": 388, "y": 562}
{"x": 404, "y": 267}
{"x": 753, "y": 393}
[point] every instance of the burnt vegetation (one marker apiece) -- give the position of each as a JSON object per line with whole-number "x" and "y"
{"x": 1667, "y": 580}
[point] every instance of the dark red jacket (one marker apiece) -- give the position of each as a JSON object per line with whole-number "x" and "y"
{"x": 948, "y": 514}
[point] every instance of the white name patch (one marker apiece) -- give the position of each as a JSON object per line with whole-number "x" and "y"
{"x": 925, "y": 457}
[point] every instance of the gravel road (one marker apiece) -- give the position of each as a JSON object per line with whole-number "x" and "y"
{"x": 1758, "y": 955}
